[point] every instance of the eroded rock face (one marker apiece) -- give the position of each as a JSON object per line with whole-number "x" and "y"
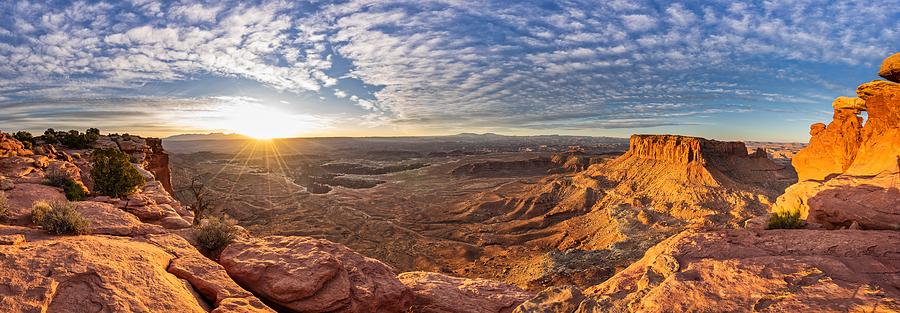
{"x": 682, "y": 149}
{"x": 890, "y": 68}
{"x": 158, "y": 163}
{"x": 852, "y": 171}
{"x": 831, "y": 150}
{"x": 769, "y": 271}
{"x": 439, "y": 293}
{"x": 313, "y": 275}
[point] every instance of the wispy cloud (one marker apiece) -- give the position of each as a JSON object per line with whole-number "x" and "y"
{"x": 454, "y": 63}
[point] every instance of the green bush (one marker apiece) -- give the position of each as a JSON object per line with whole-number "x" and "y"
{"x": 214, "y": 234}
{"x": 785, "y": 220}
{"x": 73, "y": 189}
{"x": 73, "y": 138}
{"x": 4, "y": 206}
{"x": 113, "y": 174}
{"x": 59, "y": 218}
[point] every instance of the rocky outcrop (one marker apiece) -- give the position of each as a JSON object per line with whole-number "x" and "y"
{"x": 890, "y": 68}
{"x": 108, "y": 220}
{"x": 158, "y": 163}
{"x": 89, "y": 274}
{"x": 567, "y": 299}
{"x": 313, "y": 275}
{"x": 595, "y": 221}
{"x": 769, "y": 271}
{"x": 9, "y": 146}
{"x": 832, "y": 148}
{"x": 439, "y": 293}
{"x": 851, "y": 173}
{"x": 682, "y": 149}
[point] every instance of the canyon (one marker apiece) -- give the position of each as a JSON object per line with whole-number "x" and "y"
{"x": 657, "y": 223}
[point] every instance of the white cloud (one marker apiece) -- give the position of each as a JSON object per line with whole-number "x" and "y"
{"x": 639, "y": 22}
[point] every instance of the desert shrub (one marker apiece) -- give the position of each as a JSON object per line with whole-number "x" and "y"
{"x": 214, "y": 233}
{"x": 59, "y": 218}
{"x": 113, "y": 174}
{"x": 73, "y": 189}
{"x": 26, "y": 138}
{"x": 73, "y": 138}
{"x": 56, "y": 177}
{"x": 4, "y": 206}
{"x": 785, "y": 220}
{"x": 50, "y": 136}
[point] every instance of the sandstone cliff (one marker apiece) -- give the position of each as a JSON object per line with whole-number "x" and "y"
{"x": 850, "y": 172}
{"x": 606, "y": 216}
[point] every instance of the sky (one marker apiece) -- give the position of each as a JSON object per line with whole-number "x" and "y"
{"x": 761, "y": 70}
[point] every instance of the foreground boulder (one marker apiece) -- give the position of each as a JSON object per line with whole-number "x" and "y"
{"x": 42, "y": 273}
{"x": 439, "y": 293}
{"x": 769, "y": 271}
{"x": 890, "y": 68}
{"x": 303, "y": 274}
{"x": 89, "y": 274}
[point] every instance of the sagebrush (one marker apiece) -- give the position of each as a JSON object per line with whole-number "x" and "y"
{"x": 785, "y": 220}
{"x": 59, "y": 218}
{"x": 74, "y": 190}
{"x": 4, "y": 206}
{"x": 214, "y": 234}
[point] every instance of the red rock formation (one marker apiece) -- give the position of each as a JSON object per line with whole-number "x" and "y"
{"x": 559, "y": 299}
{"x": 833, "y": 148}
{"x": 158, "y": 163}
{"x": 89, "y": 274}
{"x": 769, "y": 271}
{"x": 439, "y": 293}
{"x": 682, "y": 149}
{"x": 890, "y": 68}
{"x": 860, "y": 165}
{"x": 9, "y": 146}
{"x": 313, "y": 275}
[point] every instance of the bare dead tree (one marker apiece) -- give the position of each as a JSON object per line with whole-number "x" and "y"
{"x": 196, "y": 193}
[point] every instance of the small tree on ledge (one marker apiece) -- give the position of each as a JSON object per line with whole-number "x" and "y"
{"x": 113, "y": 173}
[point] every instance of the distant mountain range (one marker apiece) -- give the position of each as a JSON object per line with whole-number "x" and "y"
{"x": 210, "y": 136}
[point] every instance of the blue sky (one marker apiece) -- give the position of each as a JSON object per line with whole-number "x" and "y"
{"x": 761, "y": 70}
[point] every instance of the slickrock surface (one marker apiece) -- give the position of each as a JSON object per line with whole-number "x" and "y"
{"x": 559, "y": 299}
{"x": 313, "y": 275}
{"x": 106, "y": 219}
{"x": 768, "y": 271}
{"x": 22, "y": 196}
{"x": 439, "y": 293}
{"x": 849, "y": 172}
{"x": 88, "y": 274}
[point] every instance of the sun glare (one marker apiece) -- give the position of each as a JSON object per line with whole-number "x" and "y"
{"x": 261, "y": 122}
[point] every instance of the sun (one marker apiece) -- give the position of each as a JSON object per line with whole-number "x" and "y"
{"x": 264, "y": 123}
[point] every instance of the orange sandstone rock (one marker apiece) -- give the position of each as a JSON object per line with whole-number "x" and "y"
{"x": 890, "y": 68}
{"x": 439, "y": 293}
{"x": 768, "y": 271}
{"x": 88, "y": 274}
{"x": 314, "y": 275}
